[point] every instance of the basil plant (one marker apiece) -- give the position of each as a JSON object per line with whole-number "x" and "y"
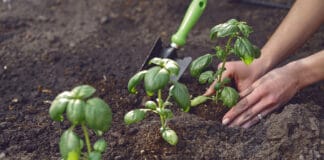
{"x": 238, "y": 44}
{"x": 156, "y": 79}
{"x": 81, "y": 109}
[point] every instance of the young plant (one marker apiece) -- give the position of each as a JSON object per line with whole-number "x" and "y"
{"x": 81, "y": 110}
{"x": 155, "y": 80}
{"x": 237, "y": 34}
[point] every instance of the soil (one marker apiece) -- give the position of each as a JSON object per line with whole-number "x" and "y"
{"x": 48, "y": 46}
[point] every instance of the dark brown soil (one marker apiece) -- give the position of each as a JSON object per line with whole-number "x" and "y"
{"x": 48, "y": 46}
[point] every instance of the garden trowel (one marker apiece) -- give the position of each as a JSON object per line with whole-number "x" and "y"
{"x": 178, "y": 39}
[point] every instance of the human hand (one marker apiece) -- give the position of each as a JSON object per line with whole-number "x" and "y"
{"x": 242, "y": 74}
{"x": 263, "y": 96}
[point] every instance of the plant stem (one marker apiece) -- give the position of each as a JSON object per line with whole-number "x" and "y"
{"x": 86, "y": 137}
{"x": 160, "y": 105}
{"x": 222, "y": 69}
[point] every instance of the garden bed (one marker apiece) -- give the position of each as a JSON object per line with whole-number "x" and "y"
{"x": 48, "y": 46}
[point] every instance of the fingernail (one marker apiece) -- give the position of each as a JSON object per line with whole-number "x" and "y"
{"x": 225, "y": 121}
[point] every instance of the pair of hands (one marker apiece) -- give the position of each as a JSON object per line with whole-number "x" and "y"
{"x": 260, "y": 94}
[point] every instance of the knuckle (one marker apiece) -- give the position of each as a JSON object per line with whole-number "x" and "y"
{"x": 272, "y": 99}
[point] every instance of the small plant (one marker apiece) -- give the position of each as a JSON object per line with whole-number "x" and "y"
{"x": 237, "y": 34}
{"x": 156, "y": 79}
{"x": 81, "y": 110}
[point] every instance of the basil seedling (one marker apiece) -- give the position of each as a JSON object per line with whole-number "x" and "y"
{"x": 237, "y": 34}
{"x": 81, "y": 110}
{"x": 157, "y": 78}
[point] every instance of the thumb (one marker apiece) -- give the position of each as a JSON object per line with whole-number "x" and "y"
{"x": 211, "y": 89}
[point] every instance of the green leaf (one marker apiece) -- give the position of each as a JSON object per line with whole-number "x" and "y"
{"x": 100, "y": 146}
{"x": 206, "y": 77}
{"x": 83, "y": 91}
{"x": 134, "y": 81}
{"x": 157, "y": 61}
{"x": 220, "y": 53}
{"x": 199, "y": 64}
{"x": 150, "y": 105}
{"x": 225, "y": 29}
{"x": 156, "y": 78}
{"x": 179, "y": 92}
{"x": 73, "y": 155}
{"x": 167, "y": 113}
{"x": 226, "y": 81}
{"x": 65, "y": 94}
{"x": 98, "y": 114}
{"x": 171, "y": 66}
{"x": 70, "y": 142}
{"x": 94, "y": 155}
{"x": 245, "y": 29}
{"x": 220, "y": 71}
{"x": 57, "y": 108}
{"x": 198, "y": 100}
{"x": 245, "y": 50}
{"x": 75, "y": 111}
{"x": 134, "y": 116}
{"x": 229, "y": 96}
{"x": 170, "y": 136}
{"x": 218, "y": 86}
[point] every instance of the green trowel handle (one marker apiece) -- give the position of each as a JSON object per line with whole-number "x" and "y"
{"x": 192, "y": 15}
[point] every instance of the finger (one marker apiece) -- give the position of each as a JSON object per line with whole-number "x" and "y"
{"x": 253, "y": 111}
{"x": 211, "y": 89}
{"x": 250, "y": 89}
{"x": 256, "y": 119}
{"x": 246, "y": 92}
{"x": 242, "y": 106}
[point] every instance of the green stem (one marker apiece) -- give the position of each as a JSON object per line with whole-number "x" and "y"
{"x": 160, "y": 105}
{"x": 86, "y": 137}
{"x": 227, "y": 50}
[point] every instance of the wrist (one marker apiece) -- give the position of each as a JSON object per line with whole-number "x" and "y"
{"x": 261, "y": 65}
{"x": 301, "y": 73}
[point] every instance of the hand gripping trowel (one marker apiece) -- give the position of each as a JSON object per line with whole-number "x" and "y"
{"x": 178, "y": 39}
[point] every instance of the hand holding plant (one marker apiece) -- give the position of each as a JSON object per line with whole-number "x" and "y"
{"x": 155, "y": 80}
{"x": 237, "y": 34}
{"x": 87, "y": 112}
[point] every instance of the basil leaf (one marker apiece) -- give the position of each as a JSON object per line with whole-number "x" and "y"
{"x": 198, "y": 100}
{"x": 171, "y": 66}
{"x": 134, "y": 116}
{"x": 75, "y": 111}
{"x": 179, "y": 92}
{"x": 73, "y": 155}
{"x": 150, "y": 105}
{"x": 156, "y": 78}
{"x": 70, "y": 142}
{"x": 83, "y": 91}
{"x": 65, "y": 94}
{"x": 94, "y": 155}
{"x": 220, "y": 53}
{"x": 226, "y": 81}
{"x": 206, "y": 77}
{"x": 98, "y": 114}
{"x": 100, "y": 146}
{"x": 199, "y": 64}
{"x": 134, "y": 81}
{"x": 245, "y": 50}
{"x": 157, "y": 61}
{"x": 57, "y": 108}
{"x": 229, "y": 96}
{"x": 245, "y": 29}
{"x": 170, "y": 136}
{"x": 167, "y": 113}
{"x": 224, "y": 29}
